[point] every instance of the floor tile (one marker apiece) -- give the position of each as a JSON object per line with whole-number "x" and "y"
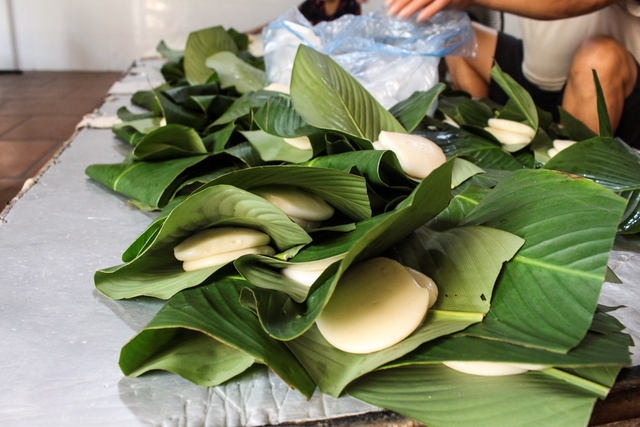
{"x": 49, "y": 106}
{"x": 9, "y": 122}
{"x": 17, "y": 158}
{"x": 58, "y": 128}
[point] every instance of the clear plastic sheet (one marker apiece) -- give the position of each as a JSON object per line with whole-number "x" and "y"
{"x": 390, "y": 57}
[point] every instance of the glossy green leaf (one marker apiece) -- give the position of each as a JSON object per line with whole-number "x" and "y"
{"x": 631, "y": 218}
{"x": 285, "y": 319}
{"x": 576, "y": 130}
{"x": 462, "y": 171}
{"x": 233, "y": 71}
{"x": 461, "y": 205}
{"x": 465, "y": 111}
{"x": 441, "y": 397}
{"x": 127, "y": 116}
{"x": 412, "y": 110}
{"x": 151, "y": 182}
{"x": 347, "y": 193}
{"x": 274, "y": 148}
{"x": 193, "y": 355}
{"x": 327, "y": 97}
{"x": 605, "y": 128}
{"x": 520, "y": 97}
{"x": 200, "y": 46}
{"x": 333, "y": 369}
{"x": 464, "y": 263}
{"x": 169, "y": 142}
{"x": 602, "y": 160}
{"x": 215, "y": 310}
{"x": 156, "y": 272}
{"x": 178, "y": 114}
{"x": 167, "y": 52}
{"x": 569, "y": 227}
{"x": 278, "y": 117}
{"x": 245, "y": 105}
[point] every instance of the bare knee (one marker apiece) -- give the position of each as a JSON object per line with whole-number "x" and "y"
{"x": 611, "y": 60}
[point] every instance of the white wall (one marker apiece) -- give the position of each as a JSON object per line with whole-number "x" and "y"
{"x": 7, "y": 58}
{"x": 110, "y": 34}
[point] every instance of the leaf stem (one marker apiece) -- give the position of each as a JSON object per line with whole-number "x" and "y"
{"x": 590, "y": 386}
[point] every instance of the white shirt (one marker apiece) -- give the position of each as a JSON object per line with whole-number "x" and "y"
{"x": 549, "y": 46}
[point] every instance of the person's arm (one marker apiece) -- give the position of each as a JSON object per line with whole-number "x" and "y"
{"x": 536, "y": 9}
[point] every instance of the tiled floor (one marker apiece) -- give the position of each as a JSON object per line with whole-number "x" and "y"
{"x": 38, "y": 113}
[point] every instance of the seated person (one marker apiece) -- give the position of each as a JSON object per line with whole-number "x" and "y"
{"x": 317, "y": 11}
{"x": 561, "y": 44}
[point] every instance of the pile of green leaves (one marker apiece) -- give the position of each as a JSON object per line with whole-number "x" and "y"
{"x": 519, "y": 250}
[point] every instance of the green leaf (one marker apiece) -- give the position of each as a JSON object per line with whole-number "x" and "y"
{"x": 327, "y": 97}
{"x": 192, "y": 355}
{"x": 215, "y": 310}
{"x": 577, "y": 130}
{"x": 177, "y": 114}
{"x": 438, "y": 396}
{"x": 241, "y": 39}
{"x": 200, "y": 46}
{"x": 151, "y": 182}
{"x": 147, "y": 99}
{"x": 233, "y": 71}
{"x": 333, "y": 369}
{"x": 170, "y": 54}
{"x": 285, "y": 319}
{"x": 278, "y": 117}
{"x": 547, "y": 294}
{"x": 412, "y": 110}
{"x": 127, "y": 116}
{"x": 605, "y": 128}
{"x": 169, "y": 142}
{"x": 274, "y": 148}
{"x": 245, "y": 105}
{"x": 520, "y": 97}
{"x": 461, "y": 205}
{"x": 631, "y": 218}
{"x": 602, "y": 160}
{"x": 465, "y": 111}
{"x": 462, "y": 171}
{"x": 156, "y": 272}
{"x": 464, "y": 263}
{"x": 347, "y": 193}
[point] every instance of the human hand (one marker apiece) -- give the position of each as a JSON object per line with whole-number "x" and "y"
{"x": 405, "y": 8}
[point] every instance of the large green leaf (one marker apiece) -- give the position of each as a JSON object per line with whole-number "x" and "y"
{"x": 233, "y": 71}
{"x": 461, "y": 205}
{"x": 602, "y": 160}
{"x": 169, "y": 142}
{"x": 464, "y": 262}
{"x": 328, "y": 97}
{"x": 605, "y": 128}
{"x": 275, "y": 148}
{"x": 167, "y": 52}
{"x": 245, "y": 105}
{"x": 156, "y": 272}
{"x": 152, "y": 183}
{"x": 441, "y": 397}
{"x": 577, "y": 130}
{"x": 631, "y": 219}
{"x": 465, "y": 111}
{"x": 278, "y": 117}
{"x": 200, "y": 46}
{"x": 412, "y": 110}
{"x": 214, "y": 310}
{"x": 178, "y": 114}
{"x": 193, "y": 355}
{"x": 333, "y": 369}
{"x": 547, "y": 294}
{"x": 518, "y": 96}
{"x": 346, "y": 192}
{"x": 285, "y": 319}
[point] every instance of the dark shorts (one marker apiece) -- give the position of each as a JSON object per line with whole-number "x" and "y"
{"x": 510, "y": 54}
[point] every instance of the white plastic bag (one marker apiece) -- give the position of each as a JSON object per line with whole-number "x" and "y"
{"x": 391, "y": 58}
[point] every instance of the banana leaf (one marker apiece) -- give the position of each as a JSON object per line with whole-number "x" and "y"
{"x": 465, "y": 111}
{"x": 461, "y": 205}
{"x": 327, "y": 97}
{"x": 147, "y": 99}
{"x": 602, "y": 160}
{"x": 178, "y": 114}
{"x": 125, "y": 115}
{"x": 576, "y": 130}
{"x": 439, "y": 396}
{"x": 631, "y": 218}
{"x": 201, "y": 45}
{"x": 482, "y": 151}
{"x": 605, "y": 128}
{"x": 278, "y": 117}
{"x": 241, "y": 39}
{"x": 547, "y": 294}
{"x": 462, "y": 171}
{"x": 244, "y": 105}
{"x": 285, "y": 319}
{"x": 380, "y": 168}
{"x": 233, "y": 71}
{"x": 169, "y": 142}
{"x": 170, "y": 54}
{"x": 412, "y": 110}
{"x": 173, "y": 73}
{"x": 156, "y": 272}
{"x": 133, "y": 131}
{"x": 275, "y": 148}
{"x": 180, "y": 95}
{"x": 153, "y": 183}
{"x": 346, "y": 192}
{"x": 212, "y": 315}
{"x": 520, "y": 98}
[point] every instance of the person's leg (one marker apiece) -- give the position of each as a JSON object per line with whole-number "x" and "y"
{"x": 617, "y": 72}
{"x": 474, "y": 75}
